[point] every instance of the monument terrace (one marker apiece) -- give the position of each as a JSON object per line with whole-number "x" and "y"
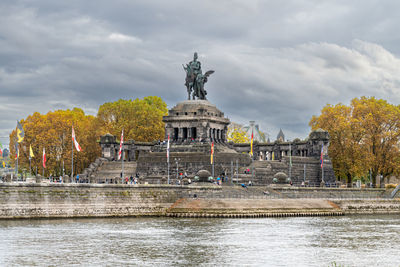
{"x": 196, "y": 128}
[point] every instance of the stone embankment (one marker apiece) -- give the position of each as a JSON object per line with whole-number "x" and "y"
{"x": 19, "y": 201}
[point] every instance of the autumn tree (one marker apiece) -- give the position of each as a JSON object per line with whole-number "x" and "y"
{"x": 52, "y": 131}
{"x": 141, "y": 119}
{"x": 363, "y": 137}
{"x": 237, "y": 135}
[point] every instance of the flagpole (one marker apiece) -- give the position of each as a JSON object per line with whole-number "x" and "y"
{"x": 168, "y": 170}
{"x": 16, "y": 168}
{"x": 322, "y": 163}
{"x": 252, "y": 156}
{"x": 122, "y": 162}
{"x": 290, "y": 161}
{"x": 213, "y": 169}
{"x": 323, "y": 180}
{"x": 122, "y": 155}
{"x": 168, "y": 158}
{"x": 252, "y": 168}
{"x": 213, "y": 160}
{"x": 72, "y": 152}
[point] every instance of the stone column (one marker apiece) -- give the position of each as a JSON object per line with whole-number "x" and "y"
{"x": 180, "y": 134}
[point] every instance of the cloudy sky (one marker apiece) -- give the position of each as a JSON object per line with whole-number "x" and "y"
{"x": 276, "y": 62}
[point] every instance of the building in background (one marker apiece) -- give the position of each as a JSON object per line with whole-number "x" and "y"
{"x": 281, "y": 136}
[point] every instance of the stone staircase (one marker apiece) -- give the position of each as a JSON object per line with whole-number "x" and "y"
{"x": 265, "y": 170}
{"x": 110, "y": 171}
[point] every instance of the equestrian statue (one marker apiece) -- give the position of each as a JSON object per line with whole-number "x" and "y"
{"x": 195, "y": 79}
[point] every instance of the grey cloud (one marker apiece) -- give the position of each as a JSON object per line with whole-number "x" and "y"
{"x": 276, "y": 62}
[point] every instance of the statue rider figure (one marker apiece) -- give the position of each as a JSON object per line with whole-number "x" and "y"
{"x": 192, "y": 70}
{"x": 195, "y": 79}
{"x": 195, "y": 65}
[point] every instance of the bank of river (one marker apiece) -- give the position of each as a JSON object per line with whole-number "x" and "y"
{"x": 301, "y": 241}
{"x": 27, "y": 201}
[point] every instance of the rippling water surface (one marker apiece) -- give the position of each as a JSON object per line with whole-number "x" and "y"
{"x": 311, "y": 241}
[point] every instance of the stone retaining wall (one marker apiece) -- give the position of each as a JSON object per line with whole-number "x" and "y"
{"x": 94, "y": 200}
{"x": 81, "y": 200}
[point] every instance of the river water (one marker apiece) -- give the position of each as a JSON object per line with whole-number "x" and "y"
{"x": 303, "y": 241}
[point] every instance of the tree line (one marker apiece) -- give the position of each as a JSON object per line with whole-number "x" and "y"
{"x": 141, "y": 120}
{"x": 364, "y": 138}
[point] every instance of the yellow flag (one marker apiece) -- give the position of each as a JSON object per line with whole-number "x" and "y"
{"x": 4, "y": 164}
{"x": 251, "y": 144}
{"x": 20, "y": 132}
{"x": 273, "y": 155}
{"x": 31, "y": 152}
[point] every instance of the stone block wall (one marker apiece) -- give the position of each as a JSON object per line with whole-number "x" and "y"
{"x": 81, "y": 200}
{"x": 155, "y": 163}
{"x": 19, "y": 201}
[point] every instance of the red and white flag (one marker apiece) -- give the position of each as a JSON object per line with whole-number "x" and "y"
{"x": 212, "y": 152}
{"x": 77, "y": 146}
{"x": 44, "y": 158}
{"x": 120, "y": 145}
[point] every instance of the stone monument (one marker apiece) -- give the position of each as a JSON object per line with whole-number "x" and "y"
{"x": 191, "y": 126}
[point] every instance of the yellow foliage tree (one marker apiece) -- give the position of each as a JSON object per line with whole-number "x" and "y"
{"x": 140, "y": 119}
{"x": 237, "y": 135}
{"x": 364, "y": 137}
{"x": 52, "y": 131}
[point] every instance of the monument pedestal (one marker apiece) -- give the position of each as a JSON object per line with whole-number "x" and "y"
{"x": 196, "y": 121}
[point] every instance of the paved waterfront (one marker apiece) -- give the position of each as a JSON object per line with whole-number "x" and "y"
{"x": 305, "y": 241}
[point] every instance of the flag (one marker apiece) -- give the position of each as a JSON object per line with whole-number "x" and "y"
{"x": 251, "y": 144}
{"x": 322, "y": 156}
{"x": 168, "y": 149}
{"x": 273, "y": 155}
{"x": 20, "y": 132}
{"x": 120, "y": 144}
{"x": 4, "y": 164}
{"x": 1, "y": 152}
{"x": 31, "y": 155}
{"x": 212, "y": 152}
{"x": 44, "y": 158}
{"x": 77, "y": 146}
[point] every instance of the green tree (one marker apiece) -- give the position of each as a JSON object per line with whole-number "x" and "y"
{"x": 140, "y": 119}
